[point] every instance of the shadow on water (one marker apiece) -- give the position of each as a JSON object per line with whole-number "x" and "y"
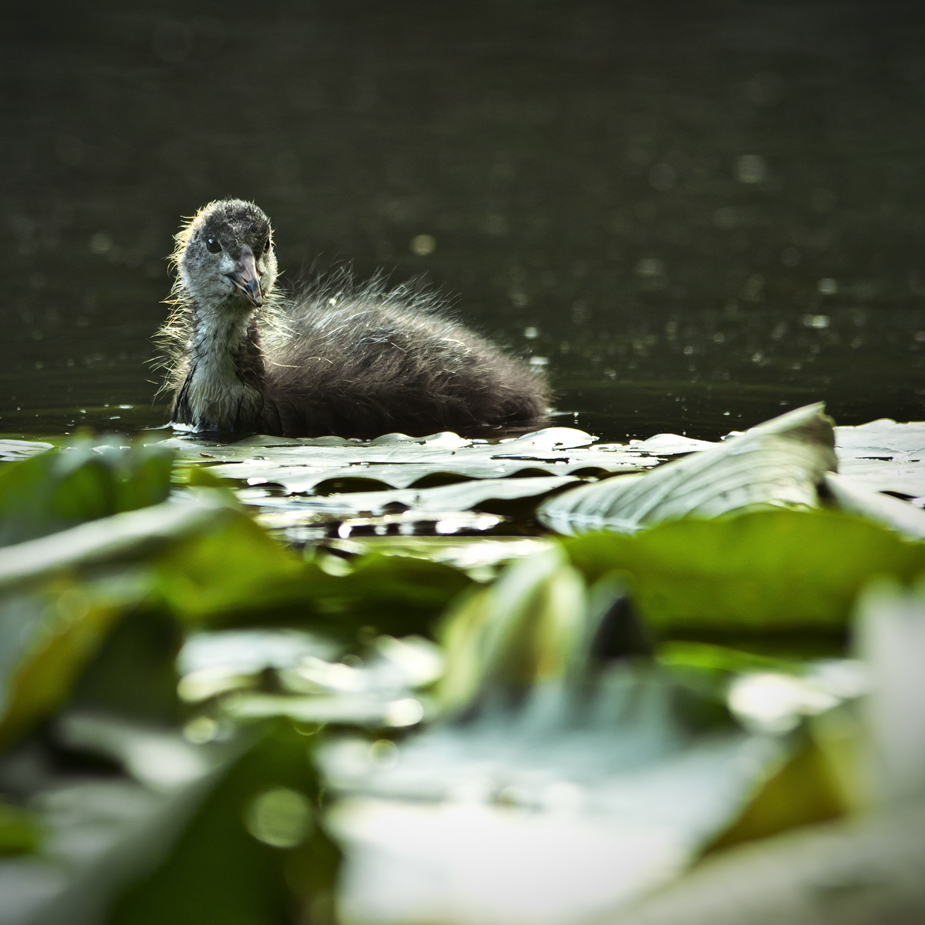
{"x": 696, "y": 214}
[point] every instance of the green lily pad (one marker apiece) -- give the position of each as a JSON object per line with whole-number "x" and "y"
{"x": 61, "y": 488}
{"x": 757, "y": 572}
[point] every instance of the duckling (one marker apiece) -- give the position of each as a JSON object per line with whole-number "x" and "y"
{"x": 342, "y": 358}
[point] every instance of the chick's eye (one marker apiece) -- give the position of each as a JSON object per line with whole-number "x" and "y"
{"x": 213, "y": 245}
{"x": 266, "y": 246}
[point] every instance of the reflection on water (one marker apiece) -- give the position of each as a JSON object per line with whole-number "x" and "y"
{"x": 693, "y": 215}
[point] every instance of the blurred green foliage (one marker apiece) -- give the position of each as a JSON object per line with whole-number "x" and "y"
{"x": 59, "y": 489}
{"x": 759, "y": 572}
{"x": 104, "y": 574}
{"x": 218, "y": 871}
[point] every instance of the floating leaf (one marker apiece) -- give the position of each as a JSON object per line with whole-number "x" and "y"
{"x": 854, "y": 498}
{"x": 462, "y": 496}
{"x": 183, "y": 844}
{"x": 778, "y": 463}
{"x": 327, "y": 466}
{"x": 523, "y": 630}
{"x": 865, "y": 869}
{"x": 122, "y": 537}
{"x": 21, "y": 830}
{"x": 587, "y": 786}
{"x": 891, "y": 637}
{"x": 21, "y": 449}
{"x": 254, "y": 851}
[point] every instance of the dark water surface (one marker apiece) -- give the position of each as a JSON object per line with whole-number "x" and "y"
{"x": 698, "y": 214}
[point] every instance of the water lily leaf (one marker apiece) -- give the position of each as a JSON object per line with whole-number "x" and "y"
{"x": 301, "y": 466}
{"x": 523, "y": 630}
{"x": 891, "y": 638}
{"x": 852, "y": 496}
{"x": 462, "y": 496}
{"x": 449, "y": 509}
{"x": 780, "y": 462}
{"x": 478, "y": 556}
{"x": 80, "y": 482}
{"x": 308, "y": 687}
{"x": 530, "y": 838}
{"x": 883, "y": 456}
{"x": 558, "y": 783}
{"x": 597, "y": 790}
{"x": 255, "y": 850}
{"x": 22, "y": 449}
{"x": 867, "y": 867}
{"x": 237, "y": 573}
{"x": 98, "y": 831}
{"x": 21, "y": 830}
{"x": 882, "y": 439}
{"x": 121, "y": 537}
{"x": 47, "y": 637}
{"x": 766, "y": 570}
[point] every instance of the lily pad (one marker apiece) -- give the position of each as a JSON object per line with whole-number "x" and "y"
{"x": 311, "y": 465}
{"x": 778, "y": 463}
{"x": 22, "y": 449}
{"x": 883, "y": 456}
{"x": 461, "y": 496}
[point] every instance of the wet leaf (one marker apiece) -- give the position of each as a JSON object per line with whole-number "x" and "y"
{"x": 891, "y": 637}
{"x": 177, "y": 838}
{"x": 852, "y": 496}
{"x": 48, "y": 637}
{"x": 883, "y": 456}
{"x": 778, "y": 463}
{"x": 462, "y": 496}
{"x": 864, "y": 869}
{"x": 21, "y": 831}
{"x": 21, "y": 449}
{"x": 326, "y": 466}
{"x": 121, "y": 537}
{"x": 523, "y": 630}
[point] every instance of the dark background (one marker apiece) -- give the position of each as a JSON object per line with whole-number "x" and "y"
{"x": 705, "y": 212}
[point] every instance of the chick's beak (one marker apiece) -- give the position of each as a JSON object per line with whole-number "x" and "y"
{"x": 246, "y": 277}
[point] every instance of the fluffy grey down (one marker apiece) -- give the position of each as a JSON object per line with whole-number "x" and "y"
{"x": 355, "y": 360}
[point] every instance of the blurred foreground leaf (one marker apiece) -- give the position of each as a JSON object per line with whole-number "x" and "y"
{"x": 858, "y": 871}
{"x": 46, "y": 639}
{"x": 188, "y": 840}
{"x": 568, "y": 772}
{"x": 763, "y": 571}
{"x": 63, "y": 487}
{"x": 243, "y": 858}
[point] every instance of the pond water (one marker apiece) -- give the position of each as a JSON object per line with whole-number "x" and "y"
{"x": 698, "y": 213}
